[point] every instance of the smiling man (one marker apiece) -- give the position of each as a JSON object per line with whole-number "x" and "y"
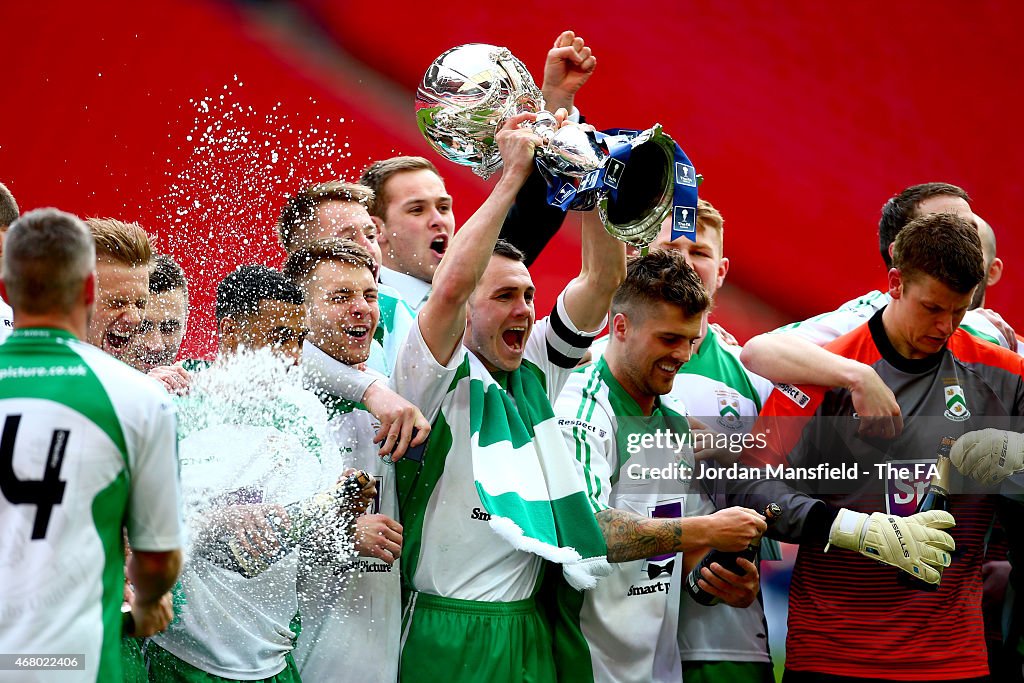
{"x": 337, "y": 209}
{"x": 496, "y": 491}
{"x": 123, "y": 257}
{"x": 163, "y": 328}
{"x": 337, "y": 619}
{"x": 657, "y": 319}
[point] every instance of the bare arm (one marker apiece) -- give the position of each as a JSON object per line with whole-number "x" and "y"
{"x": 442, "y": 319}
{"x": 792, "y": 359}
{"x": 589, "y": 295}
{"x": 569, "y": 65}
{"x": 630, "y": 536}
{"x": 153, "y": 574}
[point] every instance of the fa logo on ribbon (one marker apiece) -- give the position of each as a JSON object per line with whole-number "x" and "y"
{"x": 613, "y": 174}
{"x": 683, "y": 219}
{"x": 685, "y": 175}
{"x": 589, "y": 181}
{"x": 564, "y": 193}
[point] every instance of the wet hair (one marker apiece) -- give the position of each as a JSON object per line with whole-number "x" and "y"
{"x": 377, "y": 174}
{"x": 943, "y": 246}
{"x": 166, "y": 275}
{"x": 124, "y": 243}
{"x": 300, "y": 265}
{"x": 48, "y": 254}
{"x": 901, "y": 209}
{"x": 240, "y": 293}
{"x": 8, "y": 207}
{"x": 661, "y": 276}
{"x": 300, "y": 211}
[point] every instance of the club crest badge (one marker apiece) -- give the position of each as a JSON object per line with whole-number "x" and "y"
{"x": 956, "y": 404}
{"x": 729, "y": 411}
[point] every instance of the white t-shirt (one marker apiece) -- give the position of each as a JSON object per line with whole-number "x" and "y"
{"x": 396, "y": 319}
{"x": 267, "y": 453}
{"x": 411, "y": 289}
{"x": 350, "y": 606}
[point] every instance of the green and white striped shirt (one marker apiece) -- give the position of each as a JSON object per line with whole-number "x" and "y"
{"x": 629, "y": 621}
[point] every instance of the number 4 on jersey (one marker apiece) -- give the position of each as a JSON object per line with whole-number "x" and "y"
{"x": 44, "y": 493}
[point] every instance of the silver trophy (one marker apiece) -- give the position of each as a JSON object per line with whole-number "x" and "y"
{"x": 470, "y": 91}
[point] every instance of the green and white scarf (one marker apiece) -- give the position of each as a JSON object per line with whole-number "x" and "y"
{"x": 525, "y": 476}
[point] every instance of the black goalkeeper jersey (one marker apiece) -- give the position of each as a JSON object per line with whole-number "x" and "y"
{"x": 849, "y": 616}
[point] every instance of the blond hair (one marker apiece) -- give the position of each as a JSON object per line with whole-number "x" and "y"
{"x": 125, "y": 243}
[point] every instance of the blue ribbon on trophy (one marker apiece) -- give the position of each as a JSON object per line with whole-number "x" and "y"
{"x": 580, "y": 194}
{"x": 636, "y": 178}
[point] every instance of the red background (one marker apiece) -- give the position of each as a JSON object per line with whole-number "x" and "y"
{"x": 804, "y": 117}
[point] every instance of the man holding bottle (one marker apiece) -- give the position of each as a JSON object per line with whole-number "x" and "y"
{"x": 258, "y": 476}
{"x": 625, "y": 628}
{"x": 851, "y": 618}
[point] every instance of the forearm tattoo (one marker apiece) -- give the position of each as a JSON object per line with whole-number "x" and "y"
{"x": 632, "y": 537}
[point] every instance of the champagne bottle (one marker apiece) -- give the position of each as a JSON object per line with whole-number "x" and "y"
{"x": 936, "y": 497}
{"x": 728, "y": 560}
{"x": 302, "y": 516}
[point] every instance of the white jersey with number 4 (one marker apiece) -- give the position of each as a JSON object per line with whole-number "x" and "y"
{"x": 88, "y": 445}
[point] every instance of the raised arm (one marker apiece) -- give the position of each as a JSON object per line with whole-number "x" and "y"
{"x": 442, "y": 320}
{"x": 589, "y": 295}
{"x": 532, "y": 222}
{"x": 791, "y": 359}
{"x": 568, "y": 66}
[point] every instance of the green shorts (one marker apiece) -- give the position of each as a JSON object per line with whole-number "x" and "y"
{"x": 166, "y": 668}
{"x": 133, "y": 664}
{"x": 728, "y": 672}
{"x": 445, "y": 640}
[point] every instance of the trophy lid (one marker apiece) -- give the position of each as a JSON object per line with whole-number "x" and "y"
{"x": 466, "y": 95}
